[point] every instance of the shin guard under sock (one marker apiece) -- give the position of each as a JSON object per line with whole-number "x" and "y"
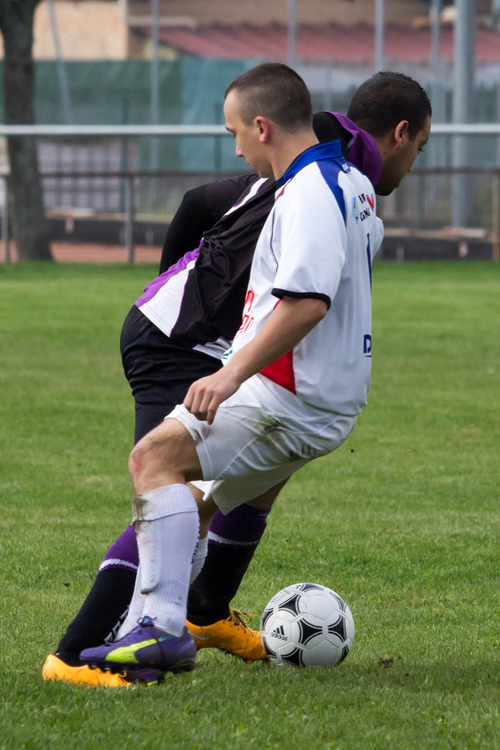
{"x": 167, "y": 525}
{"x": 199, "y": 557}
{"x": 232, "y": 541}
{"x": 136, "y": 608}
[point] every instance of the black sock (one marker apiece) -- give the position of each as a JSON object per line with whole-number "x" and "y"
{"x": 232, "y": 541}
{"x": 101, "y": 611}
{"x": 218, "y": 582}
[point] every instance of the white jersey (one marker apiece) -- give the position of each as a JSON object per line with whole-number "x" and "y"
{"x": 319, "y": 242}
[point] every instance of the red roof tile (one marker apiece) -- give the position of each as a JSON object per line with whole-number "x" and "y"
{"x": 331, "y": 42}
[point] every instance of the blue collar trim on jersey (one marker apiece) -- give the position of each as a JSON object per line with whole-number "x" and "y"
{"x": 320, "y": 152}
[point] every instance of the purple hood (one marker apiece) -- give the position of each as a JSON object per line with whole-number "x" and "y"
{"x": 363, "y": 151}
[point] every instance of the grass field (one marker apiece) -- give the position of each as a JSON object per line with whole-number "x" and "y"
{"x": 402, "y": 521}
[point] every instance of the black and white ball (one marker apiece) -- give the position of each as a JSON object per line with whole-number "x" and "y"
{"x": 307, "y": 625}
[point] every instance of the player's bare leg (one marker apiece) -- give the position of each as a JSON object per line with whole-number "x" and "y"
{"x": 165, "y": 456}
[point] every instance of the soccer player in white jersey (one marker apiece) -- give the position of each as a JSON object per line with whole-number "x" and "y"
{"x": 296, "y": 377}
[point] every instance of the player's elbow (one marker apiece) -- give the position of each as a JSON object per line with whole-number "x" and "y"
{"x": 313, "y": 310}
{"x": 192, "y": 199}
{"x": 307, "y": 311}
{"x": 320, "y": 309}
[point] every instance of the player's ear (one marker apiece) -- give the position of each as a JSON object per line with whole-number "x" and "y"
{"x": 401, "y": 133}
{"x": 264, "y": 127}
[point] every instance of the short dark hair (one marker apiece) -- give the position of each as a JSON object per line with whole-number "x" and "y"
{"x": 385, "y": 99}
{"x": 276, "y": 91}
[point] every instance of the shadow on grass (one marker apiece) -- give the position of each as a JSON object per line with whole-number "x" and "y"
{"x": 445, "y": 677}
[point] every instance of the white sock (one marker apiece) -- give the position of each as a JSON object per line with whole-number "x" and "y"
{"x": 199, "y": 556}
{"x": 138, "y": 599}
{"x": 167, "y": 525}
{"x": 135, "y": 609}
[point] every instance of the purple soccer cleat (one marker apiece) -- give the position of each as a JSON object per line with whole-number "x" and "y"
{"x": 145, "y": 646}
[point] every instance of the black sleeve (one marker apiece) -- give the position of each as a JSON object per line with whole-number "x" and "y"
{"x": 223, "y": 194}
{"x": 200, "y": 209}
{"x": 328, "y": 128}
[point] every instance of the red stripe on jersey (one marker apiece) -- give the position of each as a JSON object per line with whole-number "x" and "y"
{"x": 281, "y": 372}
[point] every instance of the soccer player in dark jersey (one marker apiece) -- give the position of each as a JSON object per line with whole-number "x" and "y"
{"x": 388, "y": 122}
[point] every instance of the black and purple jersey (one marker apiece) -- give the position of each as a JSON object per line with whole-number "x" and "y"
{"x": 198, "y": 301}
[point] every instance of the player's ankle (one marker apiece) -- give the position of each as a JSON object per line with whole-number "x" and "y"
{"x": 70, "y": 658}
{"x": 76, "y": 641}
{"x": 204, "y": 619}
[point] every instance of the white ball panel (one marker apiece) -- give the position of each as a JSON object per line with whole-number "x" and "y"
{"x": 350, "y": 628}
{"x": 318, "y": 604}
{"x": 278, "y": 630}
{"x": 324, "y": 654}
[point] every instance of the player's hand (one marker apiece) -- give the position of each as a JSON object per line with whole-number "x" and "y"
{"x": 207, "y": 394}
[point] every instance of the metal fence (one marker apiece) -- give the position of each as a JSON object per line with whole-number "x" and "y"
{"x": 92, "y": 188}
{"x": 105, "y": 197}
{"x": 421, "y": 208}
{"x": 153, "y": 194}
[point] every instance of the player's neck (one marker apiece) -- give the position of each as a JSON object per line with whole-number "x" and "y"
{"x": 289, "y": 149}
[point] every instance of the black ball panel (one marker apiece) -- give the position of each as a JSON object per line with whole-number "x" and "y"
{"x": 294, "y": 658}
{"x": 290, "y": 605}
{"x": 308, "y": 631}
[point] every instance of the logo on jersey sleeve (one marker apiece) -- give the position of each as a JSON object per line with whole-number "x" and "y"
{"x": 367, "y": 203}
{"x": 227, "y": 355}
{"x": 355, "y": 209}
{"x": 248, "y": 318}
{"x": 367, "y": 206}
{"x": 367, "y": 345}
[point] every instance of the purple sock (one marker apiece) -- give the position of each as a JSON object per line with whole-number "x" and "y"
{"x": 107, "y": 602}
{"x": 242, "y": 527}
{"x": 123, "y": 553}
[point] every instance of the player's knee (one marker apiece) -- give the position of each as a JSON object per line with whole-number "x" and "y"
{"x": 152, "y": 455}
{"x": 138, "y": 461}
{"x": 266, "y": 500}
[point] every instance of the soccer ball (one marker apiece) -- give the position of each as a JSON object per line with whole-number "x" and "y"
{"x": 307, "y": 625}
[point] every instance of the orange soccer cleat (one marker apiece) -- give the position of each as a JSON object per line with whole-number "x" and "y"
{"x": 231, "y": 635}
{"x": 55, "y": 669}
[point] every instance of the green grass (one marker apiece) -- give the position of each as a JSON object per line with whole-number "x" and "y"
{"x": 402, "y": 521}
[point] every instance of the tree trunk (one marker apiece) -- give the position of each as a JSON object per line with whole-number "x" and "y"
{"x": 30, "y": 225}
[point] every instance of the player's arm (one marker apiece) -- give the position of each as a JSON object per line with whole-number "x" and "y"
{"x": 200, "y": 209}
{"x": 287, "y": 325}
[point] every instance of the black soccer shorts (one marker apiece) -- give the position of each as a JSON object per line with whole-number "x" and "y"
{"x": 159, "y": 371}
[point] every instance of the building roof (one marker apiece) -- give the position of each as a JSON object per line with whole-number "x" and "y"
{"x": 330, "y": 42}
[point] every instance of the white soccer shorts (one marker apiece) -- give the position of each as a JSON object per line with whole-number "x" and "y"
{"x": 260, "y": 436}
